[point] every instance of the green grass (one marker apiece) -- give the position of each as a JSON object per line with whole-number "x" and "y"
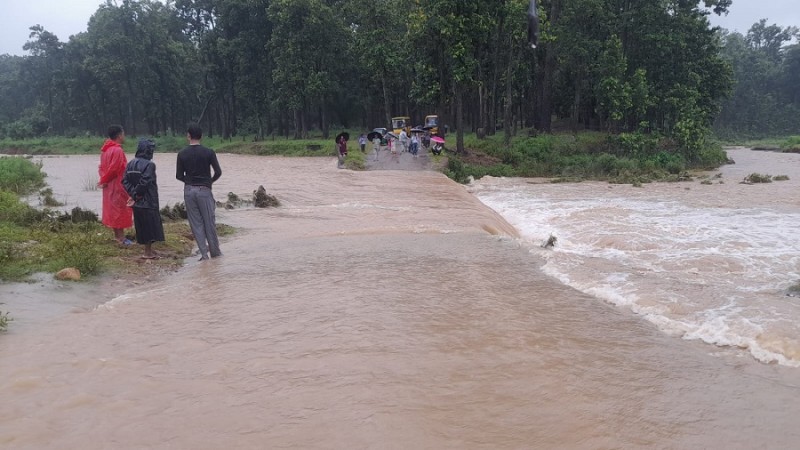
{"x": 53, "y": 242}
{"x": 784, "y": 143}
{"x": 355, "y": 160}
{"x": 630, "y": 158}
{"x": 19, "y": 175}
{"x": 315, "y": 146}
{"x": 625, "y": 158}
{"x": 791, "y": 144}
{"x": 4, "y": 319}
{"x": 33, "y": 240}
{"x": 755, "y": 178}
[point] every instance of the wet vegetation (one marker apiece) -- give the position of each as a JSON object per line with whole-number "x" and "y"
{"x": 20, "y": 176}
{"x": 626, "y": 158}
{"x": 756, "y": 178}
{"x": 169, "y": 143}
{"x": 791, "y": 144}
{"x": 4, "y": 319}
{"x": 46, "y": 240}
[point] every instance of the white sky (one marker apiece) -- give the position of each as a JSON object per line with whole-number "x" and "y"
{"x": 744, "y": 13}
{"x": 60, "y": 17}
{"x": 67, "y": 17}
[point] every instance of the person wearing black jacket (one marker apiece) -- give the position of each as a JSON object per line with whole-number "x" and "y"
{"x": 193, "y": 167}
{"x": 140, "y": 183}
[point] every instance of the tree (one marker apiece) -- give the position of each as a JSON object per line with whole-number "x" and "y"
{"x": 308, "y": 46}
{"x": 43, "y": 67}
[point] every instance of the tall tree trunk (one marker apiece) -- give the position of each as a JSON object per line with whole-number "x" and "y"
{"x": 130, "y": 104}
{"x": 507, "y": 111}
{"x": 481, "y": 112}
{"x": 545, "y": 105}
{"x": 387, "y": 106}
{"x": 459, "y": 118}
{"x": 298, "y": 126}
{"x": 324, "y": 121}
{"x": 494, "y": 112}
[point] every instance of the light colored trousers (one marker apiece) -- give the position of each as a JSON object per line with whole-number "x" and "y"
{"x": 200, "y": 208}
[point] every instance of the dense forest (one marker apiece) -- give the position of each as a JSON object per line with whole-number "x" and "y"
{"x": 285, "y": 67}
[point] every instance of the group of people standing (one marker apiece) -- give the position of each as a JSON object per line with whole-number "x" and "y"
{"x": 409, "y": 143}
{"x": 130, "y": 191}
{"x": 406, "y": 143}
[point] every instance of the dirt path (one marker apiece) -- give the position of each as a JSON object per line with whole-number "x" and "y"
{"x": 385, "y": 160}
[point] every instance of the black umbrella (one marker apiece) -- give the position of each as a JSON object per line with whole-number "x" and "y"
{"x": 344, "y": 135}
{"x": 374, "y": 135}
{"x": 417, "y": 130}
{"x": 533, "y": 24}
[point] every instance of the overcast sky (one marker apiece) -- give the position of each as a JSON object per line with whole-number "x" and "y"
{"x": 67, "y": 17}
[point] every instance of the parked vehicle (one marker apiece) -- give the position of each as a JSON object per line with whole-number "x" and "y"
{"x": 432, "y": 124}
{"x": 401, "y": 123}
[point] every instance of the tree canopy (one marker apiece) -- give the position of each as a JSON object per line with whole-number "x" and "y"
{"x": 284, "y": 67}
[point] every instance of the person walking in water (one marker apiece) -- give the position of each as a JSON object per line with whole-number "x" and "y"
{"x": 193, "y": 168}
{"x": 140, "y": 183}
{"x": 117, "y": 214}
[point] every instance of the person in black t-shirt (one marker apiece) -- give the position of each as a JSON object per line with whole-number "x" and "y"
{"x": 194, "y": 166}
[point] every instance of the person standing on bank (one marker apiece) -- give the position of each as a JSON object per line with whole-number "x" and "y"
{"x": 117, "y": 214}
{"x": 362, "y": 141}
{"x": 140, "y": 183}
{"x": 194, "y": 169}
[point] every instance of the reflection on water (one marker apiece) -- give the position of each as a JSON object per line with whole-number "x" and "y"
{"x": 379, "y": 309}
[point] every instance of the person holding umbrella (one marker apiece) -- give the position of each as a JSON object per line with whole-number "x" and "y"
{"x": 438, "y": 145}
{"x": 341, "y": 143}
{"x": 375, "y": 137}
{"x": 391, "y": 137}
{"x": 341, "y": 146}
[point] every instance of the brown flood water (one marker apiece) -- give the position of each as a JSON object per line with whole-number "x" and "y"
{"x": 373, "y": 310}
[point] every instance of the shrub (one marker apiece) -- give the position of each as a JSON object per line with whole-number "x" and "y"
{"x": 19, "y": 175}
{"x": 8, "y": 252}
{"x": 355, "y": 160}
{"x": 176, "y": 212}
{"x": 633, "y": 145}
{"x": 670, "y": 162}
{"x": 79, "y": 215}
{"x": 757, "y": 178}
{"x": 607, "y": 163}
{"x": 47, "y": 199}
{"x": 711, "y": 156}
{"x": 791, "y": 144}
{"x": 4, "y": 319}
{"x": 77, "y": 250}
{"x": 14, "y": 211}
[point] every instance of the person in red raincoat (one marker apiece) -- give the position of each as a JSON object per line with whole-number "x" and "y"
{"x": 117, "y": 215}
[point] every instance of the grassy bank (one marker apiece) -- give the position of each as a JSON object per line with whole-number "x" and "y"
{"x": 241, "y": 145}
{"x": 625, "y": 158}
{"x": 41, "y": 240}
{"x": 784, "y": 143}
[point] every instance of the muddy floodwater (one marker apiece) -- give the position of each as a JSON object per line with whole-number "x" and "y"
{"x": 384, "y": 309}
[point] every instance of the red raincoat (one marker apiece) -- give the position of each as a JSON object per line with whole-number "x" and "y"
{"x": 116, "y": 213}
